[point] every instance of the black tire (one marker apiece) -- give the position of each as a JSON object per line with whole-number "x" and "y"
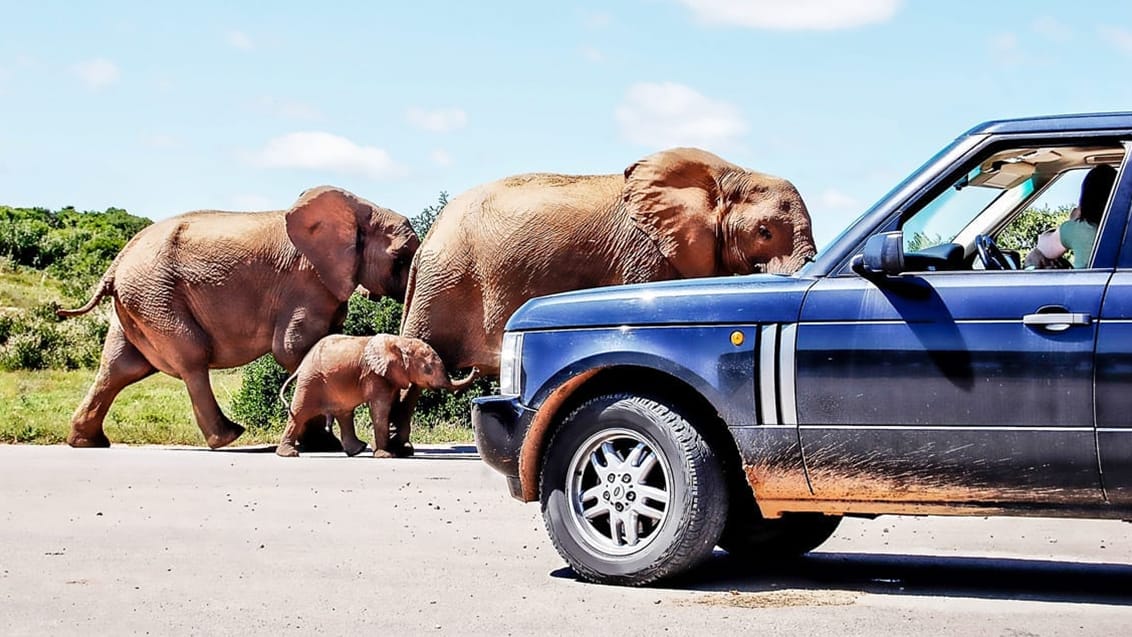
{"x": 656, "y": 467}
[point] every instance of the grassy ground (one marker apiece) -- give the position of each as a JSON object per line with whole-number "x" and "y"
{"x": 24, "y": 287}
{"x": 35, "y": 407}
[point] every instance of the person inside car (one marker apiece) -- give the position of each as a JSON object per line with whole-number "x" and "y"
{"x": 1079, "y": 232}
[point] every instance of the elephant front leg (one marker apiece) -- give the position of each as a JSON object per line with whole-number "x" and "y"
{"x": 121, "y": 365}
{"x": 218, "y": 430}
{"x": 350, "y": 442}
{"x": 379, "y": 414}
{"x": 402, "y": 420}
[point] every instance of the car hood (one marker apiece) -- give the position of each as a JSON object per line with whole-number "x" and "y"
{"x": 759, "y": 298}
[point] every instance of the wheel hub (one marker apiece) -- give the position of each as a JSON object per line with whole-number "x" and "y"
{"x": 619, "y": 489}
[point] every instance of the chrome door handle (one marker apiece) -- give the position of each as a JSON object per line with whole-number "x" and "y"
{"x": 1057, "y": 321}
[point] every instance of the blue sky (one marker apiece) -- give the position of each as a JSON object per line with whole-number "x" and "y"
{"x": 162, "y": 108}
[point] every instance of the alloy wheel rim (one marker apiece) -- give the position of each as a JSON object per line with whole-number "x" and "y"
{"x": 619, "y": 489}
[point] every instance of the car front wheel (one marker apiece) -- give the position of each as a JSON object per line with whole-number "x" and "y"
{"x": 631, "y": 492}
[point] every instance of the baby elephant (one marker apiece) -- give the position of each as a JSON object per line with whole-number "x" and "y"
{"x": 341, "y": 372}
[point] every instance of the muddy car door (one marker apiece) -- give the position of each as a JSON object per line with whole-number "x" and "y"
{"x": 958, "y": 378}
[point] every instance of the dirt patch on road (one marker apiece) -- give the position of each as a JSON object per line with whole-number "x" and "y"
{"x": 776, "y": 599}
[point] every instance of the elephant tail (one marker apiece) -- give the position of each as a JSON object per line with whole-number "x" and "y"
{"x": 283, "y": 392}
{"x": 105, "y": 288}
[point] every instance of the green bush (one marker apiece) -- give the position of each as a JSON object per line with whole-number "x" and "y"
{"x": 1022, "y": 233}
{"x": 365, "y": 317}
{"x": 36, "y": 339}
{"x": 75, "y": 247}
{"x": 256, "y": 404}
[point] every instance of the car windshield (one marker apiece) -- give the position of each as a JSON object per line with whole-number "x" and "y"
{"x": 947, "y": 215}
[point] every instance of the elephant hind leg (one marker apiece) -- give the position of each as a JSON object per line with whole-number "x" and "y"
{"x": 187, "y": 348}
{"x": 350, "y": 442}
{"x": 218, "y": 430}
{"x": 121, "y": 365}
{"x": 298, "y": 423}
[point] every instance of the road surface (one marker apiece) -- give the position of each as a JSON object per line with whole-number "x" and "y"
{"x": 137, "y": 540}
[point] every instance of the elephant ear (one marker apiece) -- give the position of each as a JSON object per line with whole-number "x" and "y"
{"x": 387, "y": 359}
{"x": 323, "y": 225}
{"x": 674, "y": 197}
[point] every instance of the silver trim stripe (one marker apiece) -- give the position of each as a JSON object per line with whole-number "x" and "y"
{"x": 768, "y": 340}
{"x": 777, "y": 394}
{"x": 944, "y": 428}
{"x": 787, "y": 397}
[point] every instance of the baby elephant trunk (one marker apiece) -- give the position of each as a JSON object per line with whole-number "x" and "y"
{"x": 463, "y": 383}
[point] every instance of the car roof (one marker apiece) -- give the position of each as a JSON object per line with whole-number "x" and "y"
{"x": 1084, "y": 122}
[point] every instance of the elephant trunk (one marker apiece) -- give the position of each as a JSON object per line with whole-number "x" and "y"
{"x": 464, "y": 383}
{"x": 804, "y": 250}
{"x": 788, "y": 264}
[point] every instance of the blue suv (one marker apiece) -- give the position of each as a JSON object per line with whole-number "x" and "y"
{"x": 916, "y": 366}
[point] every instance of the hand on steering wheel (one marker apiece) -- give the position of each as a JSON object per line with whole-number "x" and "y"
{"x": 991, "y": 256}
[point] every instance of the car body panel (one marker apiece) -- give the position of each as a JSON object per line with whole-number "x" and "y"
{"x": 933, "y": 389}
{"x": 729, "y": 300}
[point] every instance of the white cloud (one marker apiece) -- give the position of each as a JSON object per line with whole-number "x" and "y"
{"x": 439, "y": 120}
{"x": 288, "y": 109}
{"x": 597, "y": 20}
{"x": 161, "y": 141}
{"x": 1120, "y": 39}
{"x": 441, "y": 157}
{"x": 836, "y": 200}
{"x": 324, "y": 151}
{"x": 1052, "y": 29}
{"x": 660, "y": 115}
{"x": 1006, "y": 50}
{"x": 239, "y": 40}
{"x": 825, "y": 15}
{"x": 97, "y": 73}
{"x": 592, "y": 54}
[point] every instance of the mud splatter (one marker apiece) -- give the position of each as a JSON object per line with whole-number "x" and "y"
{"x": 775, "y": 599}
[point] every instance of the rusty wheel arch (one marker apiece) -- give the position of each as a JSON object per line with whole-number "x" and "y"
{"x": 641, "y": 381}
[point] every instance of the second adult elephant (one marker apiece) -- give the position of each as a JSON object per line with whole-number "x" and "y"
{"x": 678, "y": 213}
{"x": 208, "y": 290}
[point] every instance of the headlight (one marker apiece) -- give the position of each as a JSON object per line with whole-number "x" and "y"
{"x": 511, "y": 364}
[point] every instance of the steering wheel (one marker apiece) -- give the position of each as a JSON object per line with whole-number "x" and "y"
{"x": 990, "y": 254}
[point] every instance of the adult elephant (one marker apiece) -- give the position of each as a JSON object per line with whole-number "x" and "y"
{"x": 208, "y": 290}
{"x": 679, "y": 213}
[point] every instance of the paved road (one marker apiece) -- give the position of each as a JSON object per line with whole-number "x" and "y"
{"x": 177, "y": 541}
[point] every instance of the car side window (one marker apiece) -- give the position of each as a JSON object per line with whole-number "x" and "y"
{"x": 1043, "y": 215}
{"x": 1015, "y": 200}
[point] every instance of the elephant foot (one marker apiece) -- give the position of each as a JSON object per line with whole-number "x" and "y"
{"x": 353, "y": 448}
{"x": 402, "y": 449}
{"x": 382, "y": 454}
{"x": 226, "y": 436}
{"x": 287, "y": 449}
{"x": 319, "y": 439}
{"x": 98, "y": 440}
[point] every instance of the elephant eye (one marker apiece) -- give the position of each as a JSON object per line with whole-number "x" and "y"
{"x": 764, "y": 234}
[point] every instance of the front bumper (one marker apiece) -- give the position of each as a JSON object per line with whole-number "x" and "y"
{"x": 500, "y": 425}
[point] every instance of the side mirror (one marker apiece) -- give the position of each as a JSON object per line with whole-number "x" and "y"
{"x": 883, "y": 255}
